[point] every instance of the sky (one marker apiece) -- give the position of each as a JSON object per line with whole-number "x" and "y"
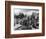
{"x": 25, "y": 11}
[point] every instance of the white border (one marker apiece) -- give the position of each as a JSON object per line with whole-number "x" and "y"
{"x": 26, "y": 31}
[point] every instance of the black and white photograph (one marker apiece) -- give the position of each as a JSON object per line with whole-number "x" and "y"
{"x": 26, "y": 19}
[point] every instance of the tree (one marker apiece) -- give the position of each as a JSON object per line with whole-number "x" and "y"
{"x": 21, "y": 15}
